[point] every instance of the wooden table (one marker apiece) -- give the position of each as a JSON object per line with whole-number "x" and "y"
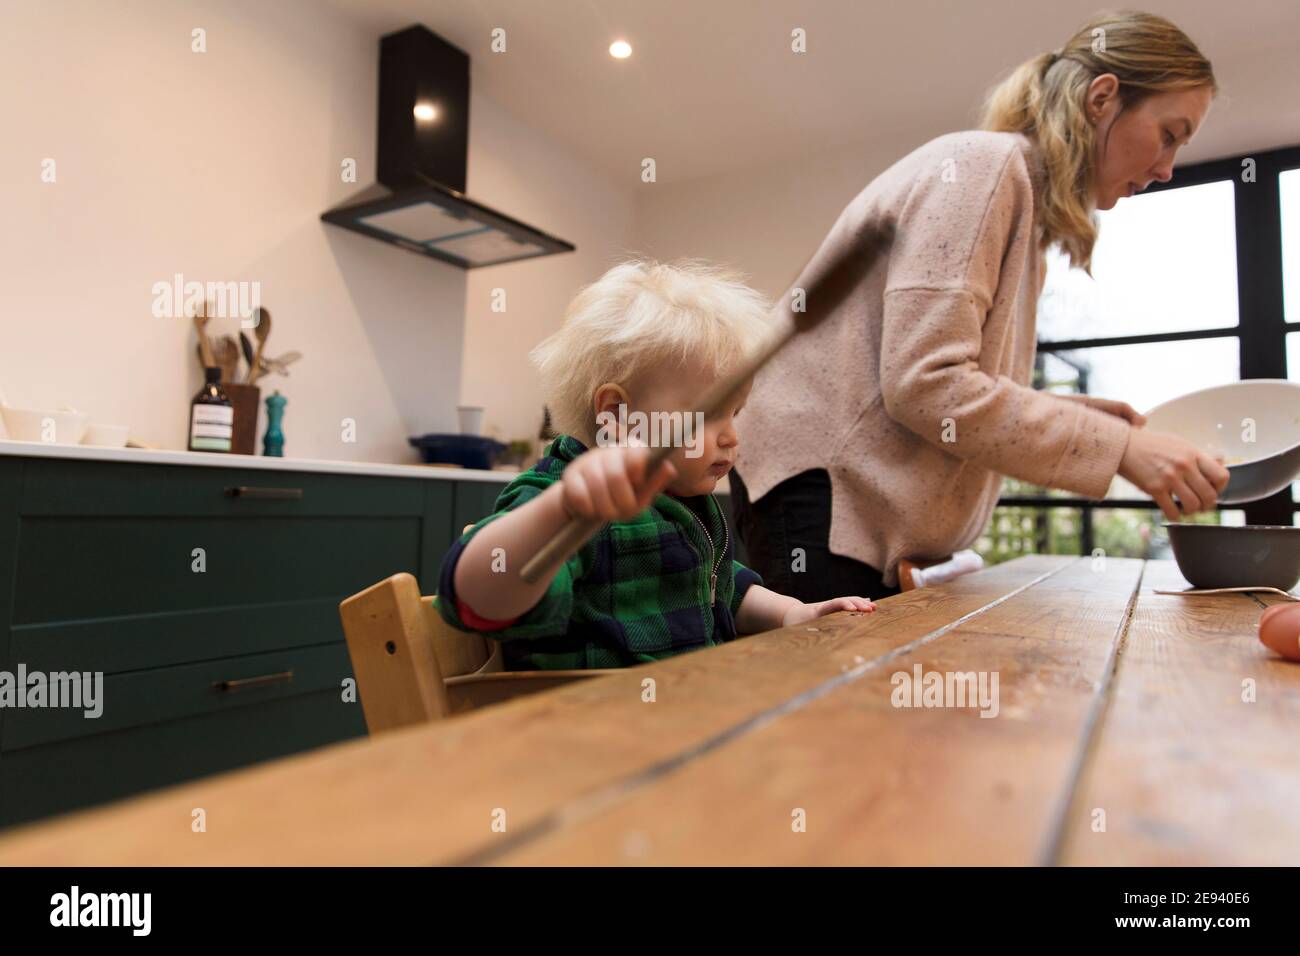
{"x": 1121, "y": 737}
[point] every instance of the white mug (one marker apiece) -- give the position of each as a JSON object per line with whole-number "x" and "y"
{"x": 471, "y": 419}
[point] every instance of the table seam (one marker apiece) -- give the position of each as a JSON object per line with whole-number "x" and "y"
{"x": 1053, "y": 852}
{"x": 587, "y": 805}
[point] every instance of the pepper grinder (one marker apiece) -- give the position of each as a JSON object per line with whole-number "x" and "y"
{"x": 273, "y": 442}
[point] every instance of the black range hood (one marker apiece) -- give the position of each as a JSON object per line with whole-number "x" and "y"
{"x": 419, "y": 202}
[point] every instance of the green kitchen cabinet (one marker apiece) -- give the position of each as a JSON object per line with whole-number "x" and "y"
{"x": 208, "y": 599}
{"x": 474, "y": 500}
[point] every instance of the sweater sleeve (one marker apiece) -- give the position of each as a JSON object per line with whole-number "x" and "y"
{"x": 549, "y": 616}
{"x": 745, "y": 578}
{"x": 953, "y": 232}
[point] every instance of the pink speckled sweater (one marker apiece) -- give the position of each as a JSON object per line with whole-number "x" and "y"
{"x": 914, "y": 394}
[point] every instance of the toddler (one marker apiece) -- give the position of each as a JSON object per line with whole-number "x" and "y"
{"x": 636, "y": 349}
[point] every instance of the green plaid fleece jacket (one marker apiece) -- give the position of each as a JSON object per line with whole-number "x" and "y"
{"x": 638, "y": 591}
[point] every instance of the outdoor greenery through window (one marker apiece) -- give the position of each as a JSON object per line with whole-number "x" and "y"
{"x": 1175, "y": 304}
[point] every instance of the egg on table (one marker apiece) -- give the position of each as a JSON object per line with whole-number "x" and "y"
{"x": 1279, "y": 630}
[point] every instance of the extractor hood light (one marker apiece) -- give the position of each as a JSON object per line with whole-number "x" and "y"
{"x": 620, "y": 49}
{"x": 418, "y": 200}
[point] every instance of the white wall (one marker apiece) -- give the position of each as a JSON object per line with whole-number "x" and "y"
{"x": 217, "y": 166}
{"x": 766, "y": 220}
{"x": 520, "y": 172}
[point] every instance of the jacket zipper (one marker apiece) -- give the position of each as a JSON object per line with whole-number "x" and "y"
{"x": 714, "y": 558}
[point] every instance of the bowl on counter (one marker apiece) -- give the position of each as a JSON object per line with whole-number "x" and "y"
{"x": 467, "y": 451}
{"x": 1228, "y": 556}
{"x": 1218, "y": 421}
{"x": 106, "y": 436}
{"x": 30, "y": 424}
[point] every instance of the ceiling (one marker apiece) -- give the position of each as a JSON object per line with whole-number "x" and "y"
{"x": 713, "y": 86}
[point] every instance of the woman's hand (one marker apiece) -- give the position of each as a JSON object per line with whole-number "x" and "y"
{"x": 1111, "y": 407}
{"x": 610, "y": 483}
{"x": 1164, "y": 466}
{"x": 800, "y": 612}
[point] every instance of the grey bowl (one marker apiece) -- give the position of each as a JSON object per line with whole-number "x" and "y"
{"x": 1223, "y": 556}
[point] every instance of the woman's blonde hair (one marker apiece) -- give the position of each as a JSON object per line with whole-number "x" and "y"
{"x": 645, "y": 319}
{"x": 1044, "y": 98}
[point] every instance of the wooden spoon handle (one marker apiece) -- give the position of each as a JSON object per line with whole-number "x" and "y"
{"x": 205, "y": 348}
{"x": 823, "y": 294}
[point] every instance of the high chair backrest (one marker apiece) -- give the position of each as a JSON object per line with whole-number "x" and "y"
{"x": 390, "y": 640}
{"x": 412, "y": 666}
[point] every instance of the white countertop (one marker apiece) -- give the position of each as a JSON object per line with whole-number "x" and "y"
{"x": 199, "y": 459}
{"x": 149, "y": 456}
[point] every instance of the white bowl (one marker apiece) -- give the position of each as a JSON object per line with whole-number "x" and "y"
{"x": 1253, "y": 425}
{"x": 59, "y": 428}
{"x": 106, "y": 436}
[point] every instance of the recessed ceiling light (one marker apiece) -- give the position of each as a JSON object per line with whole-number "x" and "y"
{"x": 620, "y": 49}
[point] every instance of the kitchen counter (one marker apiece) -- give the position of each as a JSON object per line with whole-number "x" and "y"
{"x": 177, "y": 574}
{"x": 149, "y": 456}
{"x": 177, "y": 583}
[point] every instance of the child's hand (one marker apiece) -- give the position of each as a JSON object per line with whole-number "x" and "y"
{"x": 799, "y": 613}
{"x": 610, "y": 483}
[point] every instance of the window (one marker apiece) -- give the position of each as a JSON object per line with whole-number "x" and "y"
{"x": 1289, "y": 197}
{"x": 1164, "y": 262}
{"x": 1148, "y": 373}
{"x": 1195, "y": 283}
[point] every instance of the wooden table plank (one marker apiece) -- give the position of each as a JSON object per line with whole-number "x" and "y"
{"x": 886, "y": 785}
{"x": 1185, "y": 770}
{"x": 428, "y": 794}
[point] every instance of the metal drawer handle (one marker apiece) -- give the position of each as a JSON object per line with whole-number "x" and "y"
{"x": 244, "y": 683}
{"x": 251, "y": 491}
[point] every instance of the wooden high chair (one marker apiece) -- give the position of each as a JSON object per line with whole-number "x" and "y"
{"x": 412, "y": 666}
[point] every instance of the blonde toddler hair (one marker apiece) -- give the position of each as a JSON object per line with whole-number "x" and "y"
{"x": 641, "y": 319}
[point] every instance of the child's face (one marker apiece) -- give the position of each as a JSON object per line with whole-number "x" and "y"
{"x": 708, "y": 455}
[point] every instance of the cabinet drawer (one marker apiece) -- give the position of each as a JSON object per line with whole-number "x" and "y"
{"x": 41, "y": 781}
{"x": 141, "y": 641}
{"x": 474, "y": 502}
{"x": 54, "y": 487}
{"x": 75, "y": 568}
{"x": 166, "y": 694}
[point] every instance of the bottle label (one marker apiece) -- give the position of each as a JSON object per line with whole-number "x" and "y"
{"x": 211, "y": 427}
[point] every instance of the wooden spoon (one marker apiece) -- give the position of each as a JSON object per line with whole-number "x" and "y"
{"x": 226, "y": 354}
{"x": 246, "y": 346}
{"x": 262, "y": 332}
{"x": 825, "y": 290}
{"x": 205, "y": 348}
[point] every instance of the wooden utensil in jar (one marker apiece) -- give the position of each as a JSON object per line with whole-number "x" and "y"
{"x": 261, "y": 332}
{"x": 205, "y": 347}
{"x": 226, "y": 355}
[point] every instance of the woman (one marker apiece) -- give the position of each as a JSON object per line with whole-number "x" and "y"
{"x": 883, "y": 432}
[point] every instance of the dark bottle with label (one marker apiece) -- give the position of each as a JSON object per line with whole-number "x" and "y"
{"x": 212, "y": 417}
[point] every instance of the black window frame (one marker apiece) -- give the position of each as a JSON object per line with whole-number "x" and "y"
{"x": 1261, "y": 328}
